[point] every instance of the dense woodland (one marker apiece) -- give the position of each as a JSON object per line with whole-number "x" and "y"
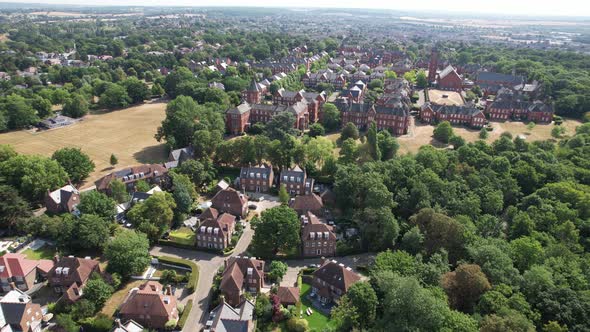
{"x": 485, "y": 236}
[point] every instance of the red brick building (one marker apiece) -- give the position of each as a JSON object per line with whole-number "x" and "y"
{"x": 17, "y": 272}
{"x": 254, "y": 93}
{"x": 449, "y": 79}
{"x": 311, "y": 80}
{"x": 433, "y": 66}
{"x": 150, "y": 305}
{"x": 314, "y": 101}
{"x": 308, "y": 203}
{"x": 237, "y": 119}
{"x": 332, "y": 280}
{"x": 19, "y": 313}
{"x": 457, "y": 115}
{"x": 257, "y": 178}
{"x": 317, "y": 238}
{"x": 492, "y": 83}
{"x": 155, "y": 174}
{"x": 230, "y": 201}
{"x": 394, "y": 116}
{"x": 241, "y": 275}
{"x": 296, "y": 181}
{"x": 216, "y": 232}
{"x": 70, "y": 274}
{"x": 62, "y": 200}
{"x": 509, "y": 105}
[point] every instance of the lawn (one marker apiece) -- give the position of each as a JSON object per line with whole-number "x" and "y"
{"x": 317, "y": 321}
{"x": 45, "y": 252}
{"x": 127, "y": 133}
{"x": 183, "y": 235}
{"x": 115, "y": 301}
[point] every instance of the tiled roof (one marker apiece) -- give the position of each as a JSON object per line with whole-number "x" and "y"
{"x": 311, "y": 202}
{"x": 149, "y": 299}
{"x": 16, "y": 265}
{"x": 78, "y": 270}
{"x": 337, "y": 275}
{"x": 289, "y": 295}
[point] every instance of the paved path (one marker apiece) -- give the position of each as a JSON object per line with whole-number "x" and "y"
{"x": 208, "y": 265}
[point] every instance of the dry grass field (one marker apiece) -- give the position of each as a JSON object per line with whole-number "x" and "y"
{"x": 59, "y": 14}
{"x": 128, "y": 133}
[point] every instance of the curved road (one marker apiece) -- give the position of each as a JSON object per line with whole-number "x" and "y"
{"x": 209, "y": 264}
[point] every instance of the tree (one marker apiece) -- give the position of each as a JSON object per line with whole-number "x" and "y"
{"x": 316, "y": 129}
{"x": 330, "y": 117}
{"x": 318, "y": 149}
{"x": 379, "y": 228}
{"x": 154, "y": 216}
{"x": 113, "y": 161}
{"x": 136, "y": 90}
{"x": 184, "y": 193}
{"x": 90, "y": 232}
{"x": 13, "y": 208}
{"x": 277, "y": 270}
{"x": 349, "y": 131}
{"x": 97, "y": 203}
{"x": 344, "y": 315}
{"x": 284, "y": 196}
{"x": 526, "y": 252}
{"x": 142, "y": 186}
{"x": 465, "y": 285}
{"x": 115, "y": 96}
{"x": 119, "y": 191}
{"x": 157, "y": 90}
{"x": 6, "y": 152}
{"x": 557, "y": 131}
{"x": 276, "y": 231}
{"x": 280, "y": 126}
{"x": 67, "y": 323}
{"x": 483, "y": 133}
{"x": 440, "y": 232}
{"x": 76, "y": 163}
{"x": 372, "y": 143}
{"x": 42, "y": 106}
{"x": 363, "y": 297}
{"x": 295, "y": 324}
{"x": 443, "y": 132}
{"x": 128, "y": 253}
{"x": 507, "y": 321}
{"x": 33, "y": 175}
{"x": 388, "y": 145}
{"x": 20, "y": 113}
{"x": 457, "y": 141}
{"x": 421, "y": 80}
{"x": 97, "y": 291}
{"x": 76, "y": 106}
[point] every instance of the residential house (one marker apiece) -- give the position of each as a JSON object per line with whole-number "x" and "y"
{"x": 296, "y": 181}
{"x": 150, "y": 305}
{"x": 70, "y": 274}
{"x": 62, "y": 200}
{"x": 19, "y": 313}
{"x": 317, "y": 239}
{"x": 288, "y": 295}
{"x": 257, "y": 178}
{"x": 241, "y": 275}
{"x": 311, "y": 80}
{"x": 215, "y": 232}
{"x": 230, "y": 201}
{"x": 178, "y": 156}
{"x": 467, "y": 115}
{"x": 309, "y": 202}
{"x": 225, "y": 318}
{"x": 155, "y": 174}
{"x": 332, "y": 280}
{"x": 18, "y": 272}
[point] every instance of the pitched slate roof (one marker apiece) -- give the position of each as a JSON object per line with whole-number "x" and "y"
{"x": 240, "y": 109}
{"x": 63, "y": 194}
{"x": 311, "y": 224}
{"x": 228, "y": 319}
{"x": 131, "y": 174}
{"x": 237, "y": 268}
{"x": 79, "y": 270}
{"x": 498, "y": 77}
{"x": 252, "y": 171}
{"x": 336, "y": 275}
{"x": 450, "y": 109}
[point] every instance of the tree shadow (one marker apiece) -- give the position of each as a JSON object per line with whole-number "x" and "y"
{"x": 152, "y": 154}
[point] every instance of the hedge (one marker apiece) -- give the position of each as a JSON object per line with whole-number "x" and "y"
{"x": 194, "y": 279}
{"x": 175, "y": 244}
{"x": 185, "y": 314}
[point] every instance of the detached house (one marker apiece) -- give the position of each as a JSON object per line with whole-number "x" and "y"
{"x": 178, "y": 156}
{"x": 317, "y": 238}
{"x": 257, "y": 178}
{"x": 241, "y": 274}
{"x": 225, "y": 318}
{"x": 215, "y": 231}
{"x": 309, "y": 202}
{"x": 296, "y": 181}
{"x": 230, "y": 201}
{"x": 19, "y": 313}
{"x": 18, "y": 272}
{"x": 70, "y": 274}
{"x": 150, "y": 305}
{"x": 152, "y": 173}
{"x": 62, "y": 200}
{"x": 332, "y": 280}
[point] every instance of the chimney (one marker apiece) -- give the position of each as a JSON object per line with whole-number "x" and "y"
{"x": 56, "y": 258}
{"x": 118, "y": 323}
{"x": 322, "y": 260}
{"x": 221, "y": 299}
{"x": 168, "y": 290}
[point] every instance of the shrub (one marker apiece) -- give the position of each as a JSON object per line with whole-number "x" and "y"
{"x": 185, "y": 313}
{"x": 171, "y": 324}
{"x": 100, "y": 323}
{"x": 297, "y": 325}
{"x": 194, "y": 276}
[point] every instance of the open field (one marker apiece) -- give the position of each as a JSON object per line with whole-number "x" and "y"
{"x": 59, "y": 14}
{"x": 45, "y": 252}
{"x": 128, "y": 133}
{"x": 422, "y": 134}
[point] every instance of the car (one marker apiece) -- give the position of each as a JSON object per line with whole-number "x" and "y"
{"x": 261, "y": 198}
{"x": 331, "y": 222}
{"x": 252, "y": 207}
{"x": 128, "y": 225}
{"x": 312, "y": 266}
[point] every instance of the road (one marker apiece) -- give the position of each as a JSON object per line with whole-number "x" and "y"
{"x": 210, "y": 263}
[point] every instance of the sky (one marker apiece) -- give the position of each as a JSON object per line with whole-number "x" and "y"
{"x": 507, "y": 7}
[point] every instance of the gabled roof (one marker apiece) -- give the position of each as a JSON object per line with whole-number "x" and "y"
{"x": 448, "y": 70}
{"x": 237, "y": 267}
{"x": 240, "y": 109}
{"x": 337, "y": 275}
{"x": 288, "y": 294}
{"x": 498, "y": 77}
{"x": 149, "y": 299}
{"x": 311, "y": 202}
{"x": 311, "y": 224}
{"x": 228, "y": 319}
{"x": 79, "y": 270}
{"x": 63, "y": 194}
{"x": 16, "y": 265}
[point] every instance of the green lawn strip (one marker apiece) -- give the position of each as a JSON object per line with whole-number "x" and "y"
{"x": 194, "y": 279}
{"x": 183, "y": 235}
{"x": 45, "y": 252}
{"x": 185, "y": 313}
{"x": 317, "y": 321}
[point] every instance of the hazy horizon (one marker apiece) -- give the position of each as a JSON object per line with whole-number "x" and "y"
{"x": 573, "y": 8}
